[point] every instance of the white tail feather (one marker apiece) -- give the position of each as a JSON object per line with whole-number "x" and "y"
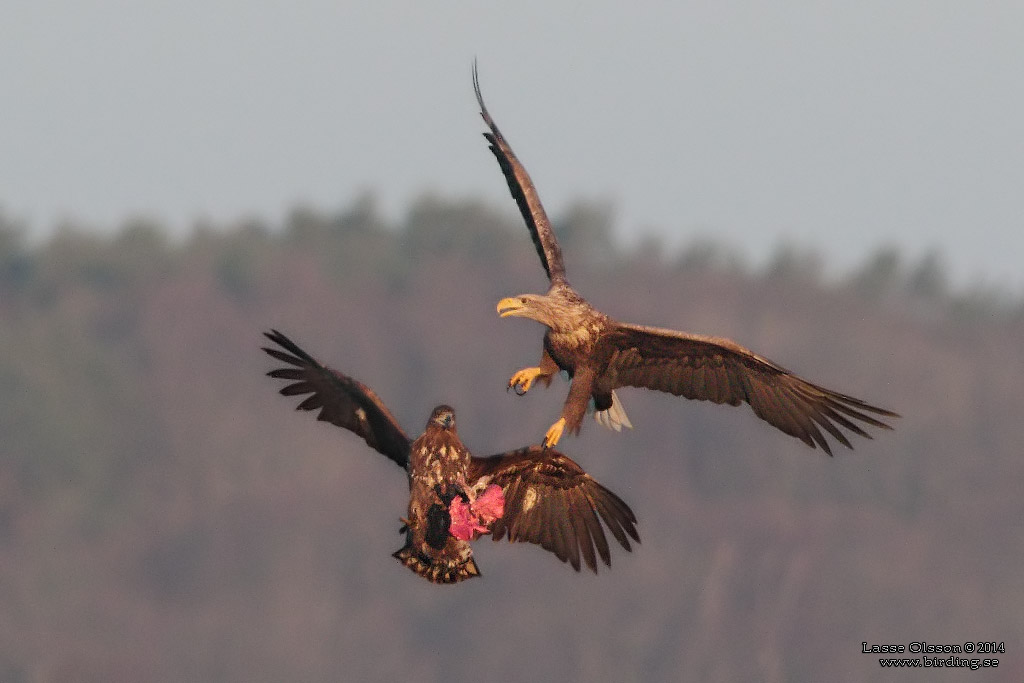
{"x": 615, "y": 417}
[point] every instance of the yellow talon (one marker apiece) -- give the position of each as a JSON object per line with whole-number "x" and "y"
{"x": 522, "y": 380}
{"x": 554, "y": 433}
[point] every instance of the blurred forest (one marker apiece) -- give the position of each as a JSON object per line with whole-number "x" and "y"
{"x": 165, "y": 515}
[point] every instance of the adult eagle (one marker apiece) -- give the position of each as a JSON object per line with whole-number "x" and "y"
{"x": 601, "y": 354}
{"x": 530, "y": 494}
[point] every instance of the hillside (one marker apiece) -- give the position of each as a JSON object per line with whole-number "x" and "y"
{"x": 166, "y": 516}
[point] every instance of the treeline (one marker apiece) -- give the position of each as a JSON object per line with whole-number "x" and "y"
{"x": 142, "y": 249}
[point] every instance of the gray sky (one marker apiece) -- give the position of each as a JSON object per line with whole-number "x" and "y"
{"x": 842, "y": 127}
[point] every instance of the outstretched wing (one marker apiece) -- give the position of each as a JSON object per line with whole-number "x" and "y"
{"x": 342, "y": 401}
{"x": 551, "y": 501}
{"x": 721, "y": 371}
{"x": 524, "y": 193}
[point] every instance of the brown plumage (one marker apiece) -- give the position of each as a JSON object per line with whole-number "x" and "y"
{"x": 548, "y": 499}
{"x": 601, "y": 354}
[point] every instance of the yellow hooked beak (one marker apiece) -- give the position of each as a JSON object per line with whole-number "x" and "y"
{"x": 510, "y": 306}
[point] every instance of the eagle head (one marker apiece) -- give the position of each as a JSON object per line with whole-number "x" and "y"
{"x": 542, "y": 308}
{"x": 443, "y": 417}
{"x": 561, "y": 311}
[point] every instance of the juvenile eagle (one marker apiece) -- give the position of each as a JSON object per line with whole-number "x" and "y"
{"x": 600, "y": 354}
{"x": 530, "y": 494}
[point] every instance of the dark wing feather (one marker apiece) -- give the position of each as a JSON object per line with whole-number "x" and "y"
{"x": 524, "y": 193}
{"x": 721, "y": 371}
{"x": 551, "y": 501}
{"x": 342, "y": 401}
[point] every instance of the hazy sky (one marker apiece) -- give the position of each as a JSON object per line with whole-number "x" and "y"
{"x": 846, "y": 127}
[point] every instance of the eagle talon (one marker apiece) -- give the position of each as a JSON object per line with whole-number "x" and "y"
{"x": 554, "y": 433}
{"x": 523, "y": 379}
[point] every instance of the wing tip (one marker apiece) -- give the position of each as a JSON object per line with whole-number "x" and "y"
{"x": 480, "y": 97}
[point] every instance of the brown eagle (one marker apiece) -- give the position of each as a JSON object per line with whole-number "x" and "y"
{"x": 530, "y": 494}
{"x": 600, "y": 354}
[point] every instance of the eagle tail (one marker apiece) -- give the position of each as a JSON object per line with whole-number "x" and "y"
{"x": 440, "y": 568}
{"x": 614, "y": 417}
